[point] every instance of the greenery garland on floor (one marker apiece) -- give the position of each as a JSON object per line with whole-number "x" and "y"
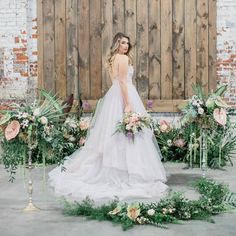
{"x": 214, "y": 198}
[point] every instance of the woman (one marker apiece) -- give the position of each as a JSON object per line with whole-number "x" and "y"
{"x": 109, "y": 164}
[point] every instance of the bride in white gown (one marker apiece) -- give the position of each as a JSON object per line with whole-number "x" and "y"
{"x": 110, "y": 165}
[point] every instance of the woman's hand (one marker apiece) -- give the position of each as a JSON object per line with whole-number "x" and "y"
{"x": 128, "y": 108}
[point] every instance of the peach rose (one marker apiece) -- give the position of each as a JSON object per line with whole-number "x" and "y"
{"x": 133, "y": 119}
{"x": 133, "y": 211}
{"x": 12, "y": 130}
{"x": 165, "y": 126}
{"x": 83, "y": 125}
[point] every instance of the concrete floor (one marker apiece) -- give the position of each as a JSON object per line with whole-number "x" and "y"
{"x": 51, "y": 222}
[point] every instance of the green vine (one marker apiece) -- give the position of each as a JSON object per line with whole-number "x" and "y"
{"x": 214, "y": 199}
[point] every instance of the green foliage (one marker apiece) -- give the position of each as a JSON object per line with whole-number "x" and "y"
{"x": 208, "y": 114}
{"x": 221, "y": 144}
{"x": 13, "y": 156}
{"x": 41, "y": 127}
{"x": 214, "y": 198}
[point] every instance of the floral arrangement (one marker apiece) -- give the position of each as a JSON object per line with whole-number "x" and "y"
{"x": 182, "y": 142}
{"x": 132, "y": 123}
{"x": 215, "y": 198}
{"x": 208, "y": 110}
{"x": 75, "y": 130}
{"x": 41, "y": 127}
{"x": 172, "y": 141}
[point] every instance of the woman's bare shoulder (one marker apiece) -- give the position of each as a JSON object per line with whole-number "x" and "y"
{"x": 121, "y": 58}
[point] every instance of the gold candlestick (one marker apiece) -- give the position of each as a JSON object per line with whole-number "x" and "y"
{"x": 30, "y": 207}
{"x": 204, "y": 152}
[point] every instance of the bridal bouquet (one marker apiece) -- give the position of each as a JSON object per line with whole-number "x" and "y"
{"x": 132, "y": 123}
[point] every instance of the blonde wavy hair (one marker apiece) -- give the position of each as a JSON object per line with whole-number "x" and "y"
{"x": 114, "y": 50}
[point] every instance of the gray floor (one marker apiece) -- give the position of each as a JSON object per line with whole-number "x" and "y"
{"x": 50, "y": 221}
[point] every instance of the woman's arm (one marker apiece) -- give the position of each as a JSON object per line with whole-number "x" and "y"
{"x": 123, "y": 62}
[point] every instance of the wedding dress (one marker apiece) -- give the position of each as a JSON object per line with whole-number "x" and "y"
{"x": 110, "y": 165}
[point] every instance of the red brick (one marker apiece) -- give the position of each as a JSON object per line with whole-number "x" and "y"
{"x": 21, "y": 57}
{"x": 25, "y": 74}
{"x": 19, "y": 49}
{"x": 17, "y": 40}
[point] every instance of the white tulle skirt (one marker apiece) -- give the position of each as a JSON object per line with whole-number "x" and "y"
{"x": 110, "y": 165}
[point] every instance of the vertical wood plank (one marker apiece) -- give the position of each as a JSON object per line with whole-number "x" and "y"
{"x": 190, "y": 46}
{"x": 157, "y": 27}
{"x": 106, "y": 42}
{"x": 49, "y": 38}
{"x": 142, "y": 48}
{"x": 118, "y": 16}
{"x": 166, "y": 49}
{"x": 95, "y": 49}
{"x": 178, "y": 49}
{"x": 72, "y": 49}
{"x": 212, "y": 44}
{"x": 60, "y": 48}
{"x": 202, "y": 44}
{"x": 40, "y": 46}
{"x": 83, "y": 43}
{"x": 130, "y": 30}
{"x": 154, "y": 39}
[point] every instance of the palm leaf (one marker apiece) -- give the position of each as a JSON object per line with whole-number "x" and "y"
{"x": 230, "y": 198}
{"x": 199, "y": 91}
{"x": 4, "y": 119}
{"x": 53, "y": 101}
{"x": 221, "y": 90}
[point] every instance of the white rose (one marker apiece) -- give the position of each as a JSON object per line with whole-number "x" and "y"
{"x": 36, "y": 112}
{"x": 25, "y": 115}
{"x": 194, "y": 103}
{"x": 72, "y": 139}
{"x": 151, "y": 212}
{"x": 128, "y": 127}
{"x": 200, "y": 110}
{"x": 169, "y": 142}
{"x": 43, "y": 120}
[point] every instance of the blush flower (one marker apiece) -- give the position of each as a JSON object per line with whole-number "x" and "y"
{"x": 220, "y": 116}
{"x": 12, "y": 130}
{"x": 165, "y": 126}
{"x": 81, "y": 141}
{"x": 133, "y": 119}
{"x": 179, "y": 142}
{"x": 83, "y": 125}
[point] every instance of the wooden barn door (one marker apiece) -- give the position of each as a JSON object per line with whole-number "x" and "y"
{"x": 174, "y": 47}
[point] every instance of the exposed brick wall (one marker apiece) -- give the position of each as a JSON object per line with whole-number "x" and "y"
{"x": 18, "y": 49}
{"x": 226, "y": 47}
